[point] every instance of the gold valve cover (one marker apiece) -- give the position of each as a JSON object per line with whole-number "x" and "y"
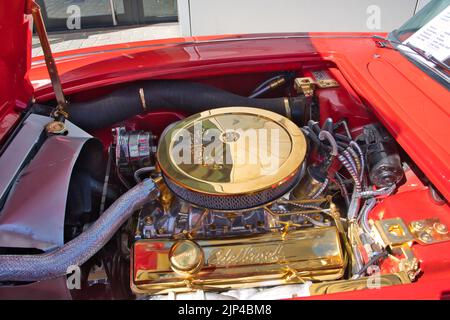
{"x": 232, "y": 158}
{"x": 269, "y": 259}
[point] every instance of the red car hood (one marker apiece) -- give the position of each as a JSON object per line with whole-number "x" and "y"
{"x": 15, "y": 62}
{"x": 411, "y": 105}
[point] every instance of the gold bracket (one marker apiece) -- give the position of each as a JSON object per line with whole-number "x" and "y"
{"x": 399, "y": 237}
{"x": 393, "y": 232}
{"x": 409, "y": 263}
{"x": 292, "y": 275}
{"x": 429, "y": 231}
{"x": 59, "y": 113}
{"x": 307, "y": 85}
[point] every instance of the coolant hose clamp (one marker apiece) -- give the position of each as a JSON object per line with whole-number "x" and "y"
{"x": 142, "y": 97}
{"x": 287, "y": 107}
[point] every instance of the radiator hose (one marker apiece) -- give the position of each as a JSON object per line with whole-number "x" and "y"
{"x": 77, "y": 251}
{"x": 190, "y": 97}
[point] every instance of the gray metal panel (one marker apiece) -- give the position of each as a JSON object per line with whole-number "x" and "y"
{"x": 33, "y": 214}
{"x": 76, "y": 132}
{"x": 17, "y": 152}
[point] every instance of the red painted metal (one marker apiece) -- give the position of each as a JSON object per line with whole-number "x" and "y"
{"x": 414, "y": 202}
{"x": 342, "y": 103}
{"x": 15, "y": 62}
{"x": 376, "y": 82}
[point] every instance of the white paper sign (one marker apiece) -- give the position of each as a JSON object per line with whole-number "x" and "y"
{"x": 434, "y": 37}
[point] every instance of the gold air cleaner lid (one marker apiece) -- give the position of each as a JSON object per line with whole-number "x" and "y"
{"x": 232, "y": 158}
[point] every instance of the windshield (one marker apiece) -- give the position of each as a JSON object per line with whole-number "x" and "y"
{"x": 425, "y": 40}
{"x": 430, "y": 11}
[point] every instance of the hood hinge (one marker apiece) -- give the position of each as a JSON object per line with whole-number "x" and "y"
{"x": 59, "y": 113}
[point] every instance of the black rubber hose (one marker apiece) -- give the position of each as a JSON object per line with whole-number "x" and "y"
{"x": 179, "y": 95}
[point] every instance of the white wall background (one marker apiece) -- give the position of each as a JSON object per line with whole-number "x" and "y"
{"x": 209, "y": 17}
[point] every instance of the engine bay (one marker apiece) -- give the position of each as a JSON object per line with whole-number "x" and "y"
{"x": 270, "y": 185}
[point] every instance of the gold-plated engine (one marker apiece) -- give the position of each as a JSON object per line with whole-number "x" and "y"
{"x": 228, "y": 226}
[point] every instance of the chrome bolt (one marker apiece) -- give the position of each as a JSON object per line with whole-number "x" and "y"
{"x": 426, "y": 237}
{"x": 417, "y": 225}
{"x": 440, "y": 228}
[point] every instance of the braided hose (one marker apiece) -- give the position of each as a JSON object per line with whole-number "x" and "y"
{"x": 349, "y": 166}
{"x": 352, "y": 162}
{"x": 364, "y": 216}
{"x": 376, "y": 193}
{"x": 321, "y": 190}
{"x": 346, "y": 161}
{"x": 354, "y": 206}
{"x": 77, "y": 251}
{"x": 353, "y": 144}
{"x": 307, "y": 217}
{"x": 355, "y": 158}
{"x": 308, "y": 206}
